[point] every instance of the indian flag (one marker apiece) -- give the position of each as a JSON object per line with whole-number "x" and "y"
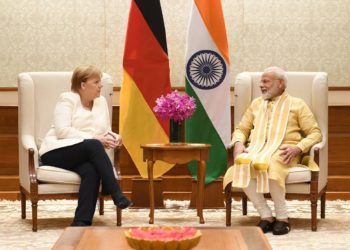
{"x": 146, "y": 77}
{"x": 207, "y": 79}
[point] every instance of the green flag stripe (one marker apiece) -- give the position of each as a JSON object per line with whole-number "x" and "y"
{"x": 200, "y": 126}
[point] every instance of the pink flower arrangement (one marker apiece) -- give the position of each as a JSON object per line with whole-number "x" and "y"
{"x": 175, "y": 106}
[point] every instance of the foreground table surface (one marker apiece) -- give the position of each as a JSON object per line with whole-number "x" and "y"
{"x": 105, "y": 238}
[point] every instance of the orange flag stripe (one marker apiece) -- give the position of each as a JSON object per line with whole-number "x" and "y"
{"x": 210, "y": 10}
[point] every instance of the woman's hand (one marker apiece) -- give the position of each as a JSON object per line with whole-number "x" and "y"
{"x": 114, "y": 139}
{"x": 109, "y": 139}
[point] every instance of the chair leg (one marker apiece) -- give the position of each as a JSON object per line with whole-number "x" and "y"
{"x": 313, "y": 214}
{"x": 23, "y": 204}
{"x": 323, "y": 205}
{"x": 228, "y": 204}
{"x": 101, "y": 205}
{"x": 244, "y": 204}
{"x": 35, "y": 215}
{"x": 119, "y": 217}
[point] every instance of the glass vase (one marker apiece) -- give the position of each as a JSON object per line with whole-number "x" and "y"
{"x": 175, "y": 132}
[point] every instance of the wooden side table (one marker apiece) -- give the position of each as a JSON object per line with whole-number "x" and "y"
{"x": 177, "y": 153}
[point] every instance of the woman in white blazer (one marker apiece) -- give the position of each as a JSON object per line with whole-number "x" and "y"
{"x": 78, "y": 140}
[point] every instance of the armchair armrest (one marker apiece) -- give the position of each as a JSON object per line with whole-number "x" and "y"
{"x": 317, "y": 147}
{"x": 32, "y": 171}
{"x": 116, "y": 164}
{"x": 28, "y": 142}
{"x": 319, "y": 152}
{"x": 230, "y": 160}
{"x": 230, "y": 146}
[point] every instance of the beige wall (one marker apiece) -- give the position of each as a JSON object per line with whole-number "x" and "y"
{"x": 57, "y": 35}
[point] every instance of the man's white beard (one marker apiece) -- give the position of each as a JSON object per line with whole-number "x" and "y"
{"x": 271, "y": 93}
{"x": 267, "y": 95}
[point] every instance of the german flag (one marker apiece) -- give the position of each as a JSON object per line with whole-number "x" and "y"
{"x": 146, "y": 76}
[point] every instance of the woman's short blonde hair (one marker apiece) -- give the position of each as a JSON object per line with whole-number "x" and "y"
{"x": 82, "y": 73}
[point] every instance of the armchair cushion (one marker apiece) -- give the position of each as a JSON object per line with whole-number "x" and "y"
{"x": 54, "y": 188}
{"x": 49, "y": 174}
{"x": 298, "y": 174}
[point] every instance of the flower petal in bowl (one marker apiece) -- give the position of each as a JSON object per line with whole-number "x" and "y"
{"x": 162, "y": 238}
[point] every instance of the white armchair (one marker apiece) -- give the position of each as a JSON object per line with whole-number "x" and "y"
{"x": 37, "y": 95}
{"x": 301, "y": 183}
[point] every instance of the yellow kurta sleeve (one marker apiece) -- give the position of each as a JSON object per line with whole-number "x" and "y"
{"x": 302, "y": 128}
{"x": 309, "y": 127}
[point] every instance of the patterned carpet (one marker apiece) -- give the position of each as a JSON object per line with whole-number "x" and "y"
{"x": 333, "y": 232}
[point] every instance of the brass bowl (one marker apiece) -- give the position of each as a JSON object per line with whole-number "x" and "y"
{"x": 166, "y": 244}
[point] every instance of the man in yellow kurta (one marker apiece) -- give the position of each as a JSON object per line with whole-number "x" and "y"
{"x": 273, "y": 133}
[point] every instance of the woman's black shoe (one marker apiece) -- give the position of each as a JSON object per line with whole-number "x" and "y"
{"x": 266, "y": 226}
{"x": 280, "y": 228}
{"x": 123, "y": 202}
